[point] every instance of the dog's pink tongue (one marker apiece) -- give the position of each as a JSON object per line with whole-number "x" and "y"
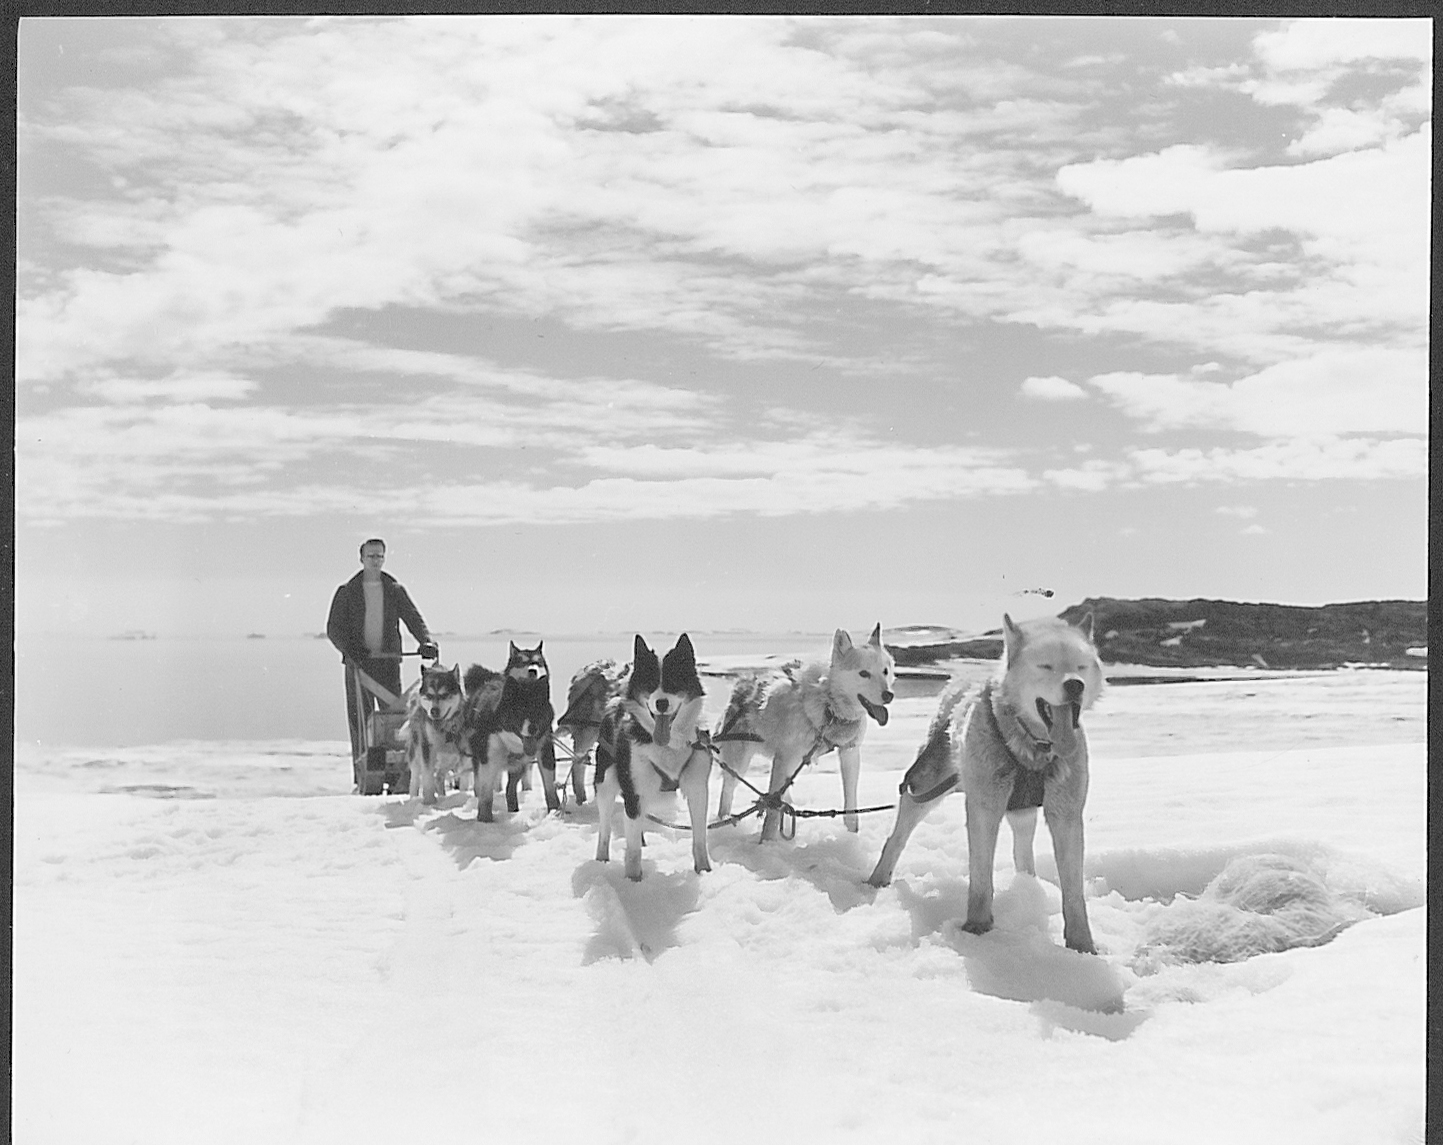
{"x": 1064, "y": 728}
{"x": 661, "y": 736}
{"x": 877, "y": 711}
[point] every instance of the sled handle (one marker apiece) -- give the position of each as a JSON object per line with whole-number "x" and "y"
{"x": 403, "y": 655}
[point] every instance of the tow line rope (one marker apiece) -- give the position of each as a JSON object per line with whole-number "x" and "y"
{"x": 766, "y": 800}
{"x": 563, "y": 785}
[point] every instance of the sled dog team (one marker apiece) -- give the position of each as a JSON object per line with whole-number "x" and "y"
{"x": 1012, "y": 745}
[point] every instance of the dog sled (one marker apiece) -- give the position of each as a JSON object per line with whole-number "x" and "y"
{"x": 380, "y": 766}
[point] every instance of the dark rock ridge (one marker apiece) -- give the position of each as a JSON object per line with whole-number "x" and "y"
{"x": 1208, "y": 633}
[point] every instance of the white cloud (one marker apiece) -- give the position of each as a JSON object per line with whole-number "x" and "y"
{"x": 1304, "y": 45}
{"x": 1052, "y": 389}
{"x": 1343, "y": 129}
{"x": 1164, "y": 401}
{"x": 177, "y": 387}
{"x": 1089, "y": 477}
{"x": 1334, "y": 201}
{"x": 1357, "y": 459}
{"x": 805, "y": 477}
{"x": 570, "y": 447}
{"x": 716, "y": 183}
{"x": 1111, "y": 259}
{"x": 279, "y": 187}
{"x": 1246, "y": 512}
{"x": 1336, "y": 392}
{"x": 485, "y": 169}
{"x": 1306, "y": 65}
{"x": 1261, "y": 264}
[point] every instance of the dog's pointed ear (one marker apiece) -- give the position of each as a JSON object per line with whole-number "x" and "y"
{"x": 875, "y": 640}
{"x": 681, "y": 658}
{"x": 513, "y": 647}
{"x": 645, "y": 669}
{"x": 1011, "y": 637}
{"x": 639, "y": 649}
{"x": 540, "y": 644}
{"x": 841, "y": 642}
{"x": 1086, "y": 625}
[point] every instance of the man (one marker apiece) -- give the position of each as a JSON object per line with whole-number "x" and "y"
{"x": 364, "y": 625}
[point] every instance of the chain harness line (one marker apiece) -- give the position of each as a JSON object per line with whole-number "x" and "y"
{"x": 556, "y": 745}
{"x": 766, "y": 800}
{"x": 773, "y": 800}
{"x": 563, "y": 786}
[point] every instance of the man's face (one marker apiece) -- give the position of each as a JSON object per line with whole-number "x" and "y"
{"x": 372, "y": 558}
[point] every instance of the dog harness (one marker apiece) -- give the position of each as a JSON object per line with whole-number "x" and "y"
{"x": 701, "y": 743}
{"x": 449, "y": 728}
{"x": 934, "y": 792}
{"x": 1029, "y": 780}
{"x": 832, "y": 720}
{"x": 638, "y": 734}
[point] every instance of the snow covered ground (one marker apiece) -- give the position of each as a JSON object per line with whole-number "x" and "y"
{"x": 216, "y": 942}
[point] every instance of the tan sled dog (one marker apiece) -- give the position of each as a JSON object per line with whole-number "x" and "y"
{"x": 800, "y": 711}
{"x": 1013, "y": 745}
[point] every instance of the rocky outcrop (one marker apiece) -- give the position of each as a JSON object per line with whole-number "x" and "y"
{"x": 1207, "y": 633}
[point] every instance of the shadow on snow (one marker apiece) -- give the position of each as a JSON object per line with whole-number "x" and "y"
{"x": 1019, "y": 959}
{"x": 836, "y": 864}
{"x": 633, "y": 917}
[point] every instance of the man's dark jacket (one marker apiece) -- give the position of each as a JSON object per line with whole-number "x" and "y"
{"x": 346, "y": 626}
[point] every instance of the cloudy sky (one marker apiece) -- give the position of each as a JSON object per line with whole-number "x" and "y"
{"x": 621, "y": 323}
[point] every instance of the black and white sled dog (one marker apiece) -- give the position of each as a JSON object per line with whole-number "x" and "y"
{"x": 434, "y": 730}
{"x": 509, "y": 725}
{"x": 592, "y": 688}
{"x": 1014, "y": 744}
{"x": 800, "y": 711}
{"x": 651, "y": 746}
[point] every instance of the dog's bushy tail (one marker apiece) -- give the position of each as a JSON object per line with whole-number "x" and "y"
{"x": 747, "y": 695}
{"x": 934, "y": 763}
{"x": 952, "y": 696}
{"x": 590, "y": 689}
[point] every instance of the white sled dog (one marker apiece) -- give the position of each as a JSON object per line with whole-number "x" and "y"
{"x": 1013, "y": 745}
{"x": 651, "y": 746}
{"x": 800, "y": 711}
{"x": 433, "y": 731}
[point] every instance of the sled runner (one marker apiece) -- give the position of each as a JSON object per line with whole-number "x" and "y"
{"x": 381, "y": 764}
